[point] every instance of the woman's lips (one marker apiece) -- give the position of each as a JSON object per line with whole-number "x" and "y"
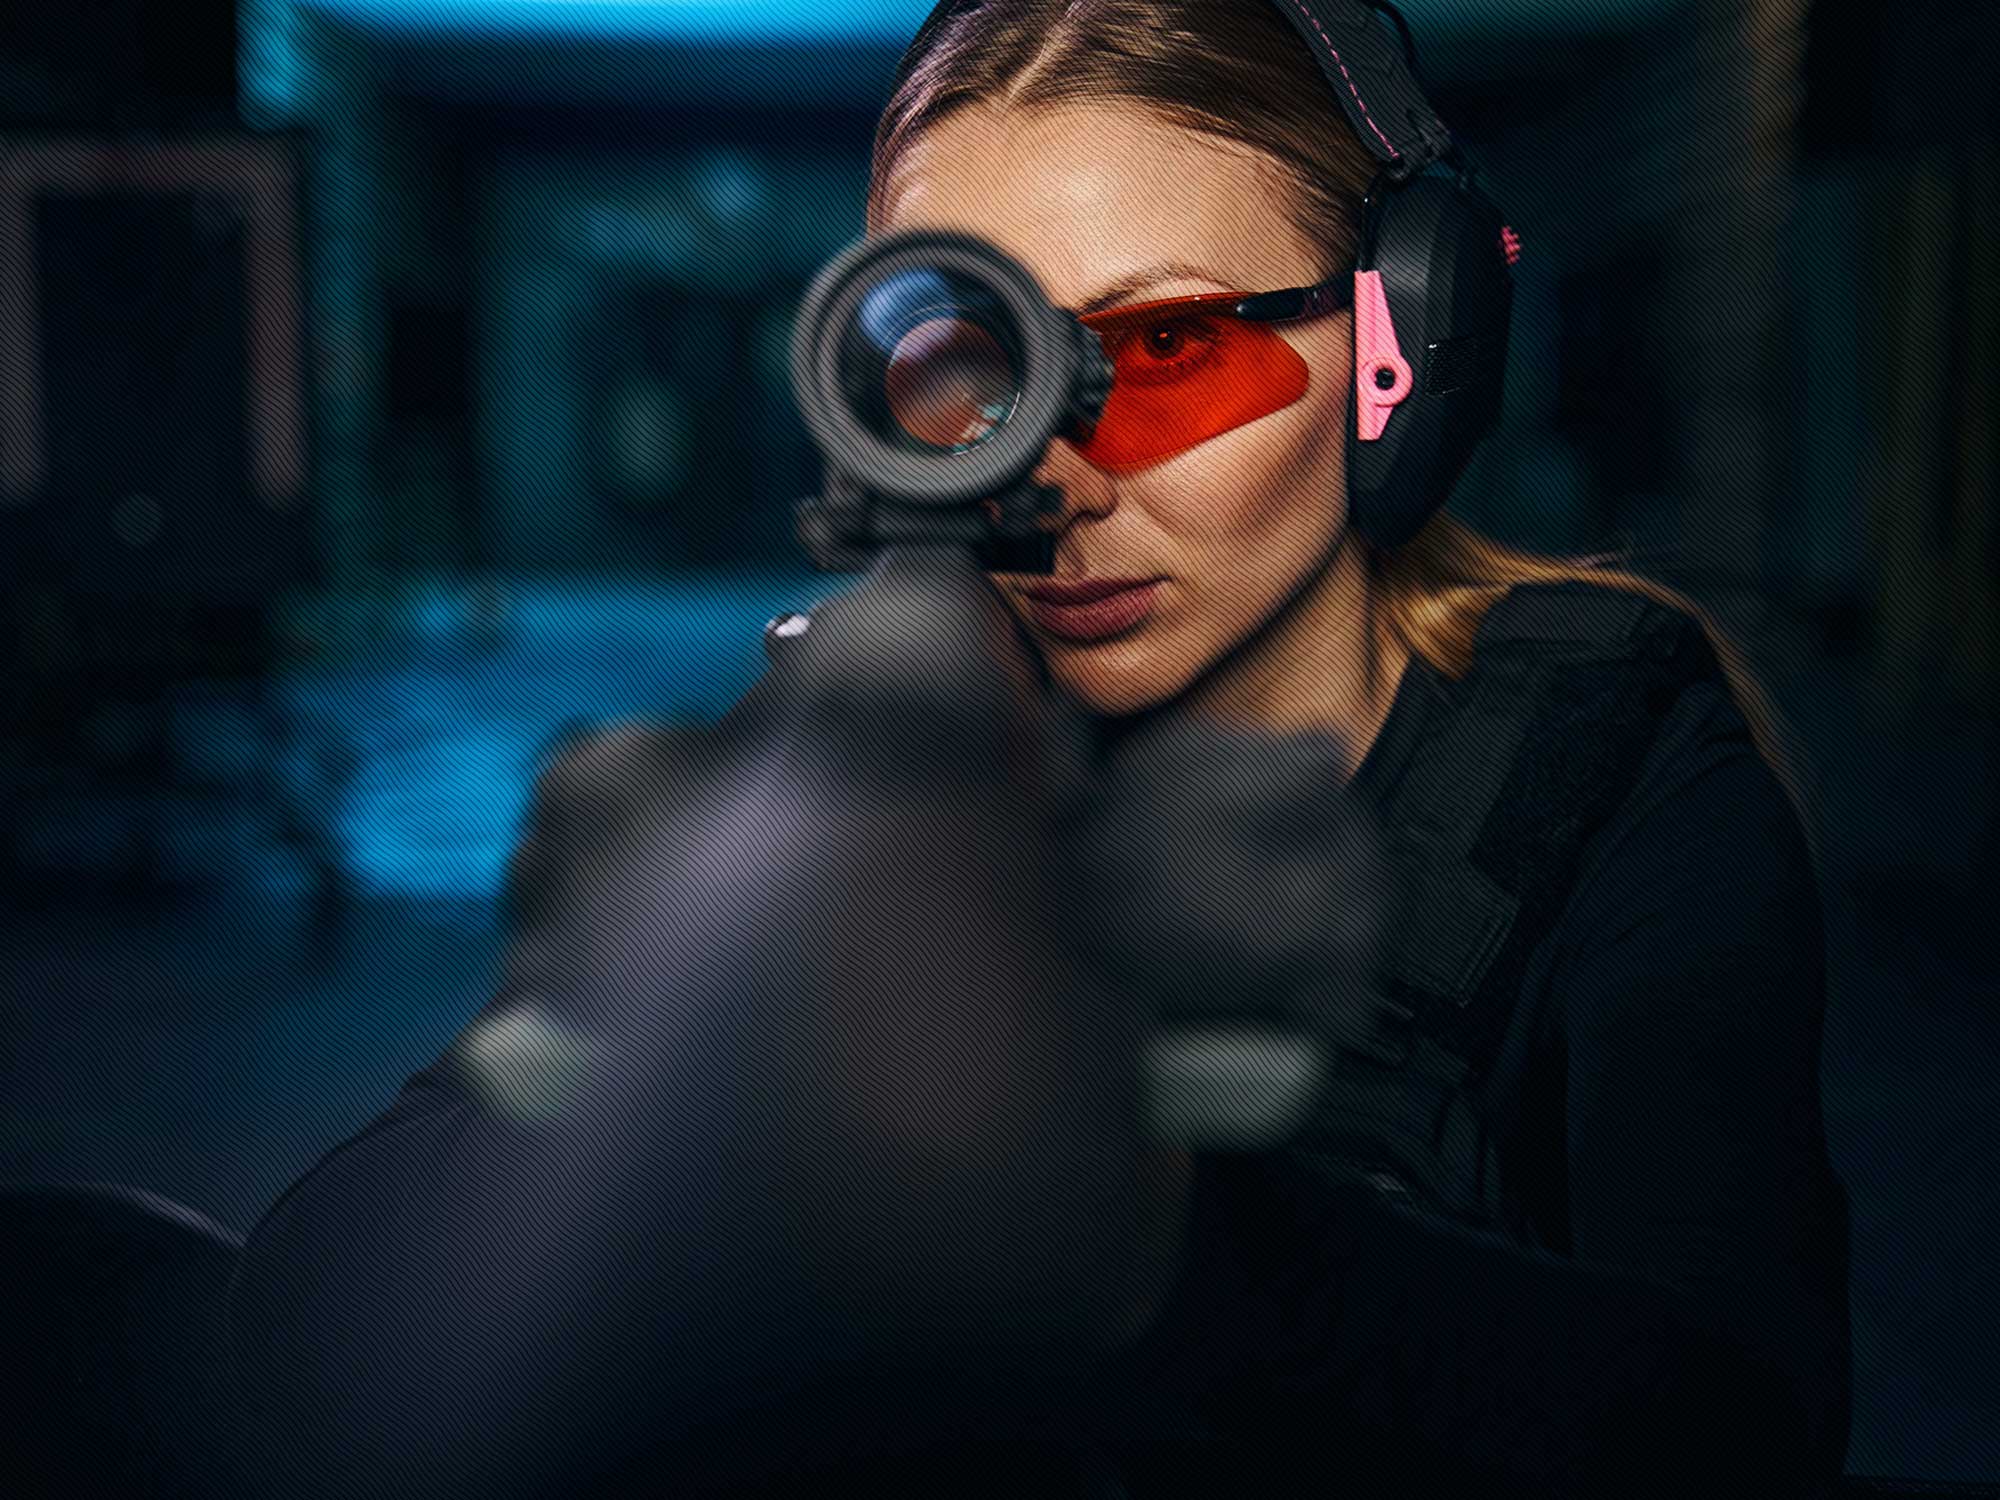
{"x": 1112, "y": 610}
{"x": 1082, "y": 590}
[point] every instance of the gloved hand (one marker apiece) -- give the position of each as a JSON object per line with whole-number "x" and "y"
{"x": 1223, "y": 879}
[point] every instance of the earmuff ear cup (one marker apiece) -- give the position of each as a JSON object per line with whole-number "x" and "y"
{"x": 1437, "y": 243}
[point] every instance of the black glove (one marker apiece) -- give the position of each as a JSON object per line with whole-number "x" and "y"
{"x": 1222, "y": 877}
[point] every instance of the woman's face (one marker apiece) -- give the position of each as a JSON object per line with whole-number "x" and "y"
{"x": 1110, "y": 206}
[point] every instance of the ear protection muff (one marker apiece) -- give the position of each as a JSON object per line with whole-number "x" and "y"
{"x": 1433, "y": 292}
{"x": 1433, "y": 299}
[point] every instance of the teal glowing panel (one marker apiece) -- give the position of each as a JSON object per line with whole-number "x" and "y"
{"x": 813, "y": 21}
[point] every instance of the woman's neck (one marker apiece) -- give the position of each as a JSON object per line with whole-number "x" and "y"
{"x": 1325, "y": 661}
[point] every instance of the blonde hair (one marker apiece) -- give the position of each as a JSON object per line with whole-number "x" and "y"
{"x": 1235, "y": 69}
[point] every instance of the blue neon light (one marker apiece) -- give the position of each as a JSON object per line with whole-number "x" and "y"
{"x": 813, "y": 21}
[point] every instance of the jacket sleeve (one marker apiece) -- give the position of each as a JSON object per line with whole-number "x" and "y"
{"x": 1693, "y": 1335}
{"x": 633, "y": 1203}
{"x": 397, "y": 1313}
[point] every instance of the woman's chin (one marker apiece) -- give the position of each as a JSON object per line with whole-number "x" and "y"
{"x": 1111, "y": 688}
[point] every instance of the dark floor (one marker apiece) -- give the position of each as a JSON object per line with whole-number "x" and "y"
{"x": 210, "y": 1052}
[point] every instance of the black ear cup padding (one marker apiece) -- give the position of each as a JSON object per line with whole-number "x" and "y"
{"x": 1437, "y": 242}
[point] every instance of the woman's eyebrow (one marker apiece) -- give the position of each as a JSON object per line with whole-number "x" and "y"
{"x": 1153, "y": 275}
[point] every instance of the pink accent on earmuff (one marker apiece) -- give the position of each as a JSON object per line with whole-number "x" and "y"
{"x": 1510, "y": 243}
{"x": 1375, "y": 350}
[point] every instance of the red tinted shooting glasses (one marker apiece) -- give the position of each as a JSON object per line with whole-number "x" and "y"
{"x": 1187, "y": 369}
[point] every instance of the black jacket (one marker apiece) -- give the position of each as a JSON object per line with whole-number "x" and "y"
{"x": 1685, "y": 1329}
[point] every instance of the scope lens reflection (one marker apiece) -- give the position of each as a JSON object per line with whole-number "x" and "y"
{"x": 932, "y": 362}
{"x": 950, "y": 384}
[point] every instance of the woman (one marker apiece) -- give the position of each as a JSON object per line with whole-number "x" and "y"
{"x": 1133, "y": 151}
{"x": 1683, "y": 1321}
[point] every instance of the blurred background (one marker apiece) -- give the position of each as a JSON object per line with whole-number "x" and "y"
{"x": 387, "y": 384}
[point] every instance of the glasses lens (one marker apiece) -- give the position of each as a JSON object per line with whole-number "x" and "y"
{"x": 1185, "y": 370}
{"x": 931, "y": 362}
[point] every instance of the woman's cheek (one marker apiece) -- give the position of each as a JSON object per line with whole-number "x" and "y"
{"x": 1216, "y": 493}
{"x": 1250, "y": 508}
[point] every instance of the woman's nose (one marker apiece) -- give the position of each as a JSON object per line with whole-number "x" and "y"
{"x": 1085, "y": 487}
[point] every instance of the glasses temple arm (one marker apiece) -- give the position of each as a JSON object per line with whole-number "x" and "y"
{"x": 1298, "y": 301}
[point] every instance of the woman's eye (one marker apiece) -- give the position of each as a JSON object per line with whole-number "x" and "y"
{"x": 1156, "y": 353}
